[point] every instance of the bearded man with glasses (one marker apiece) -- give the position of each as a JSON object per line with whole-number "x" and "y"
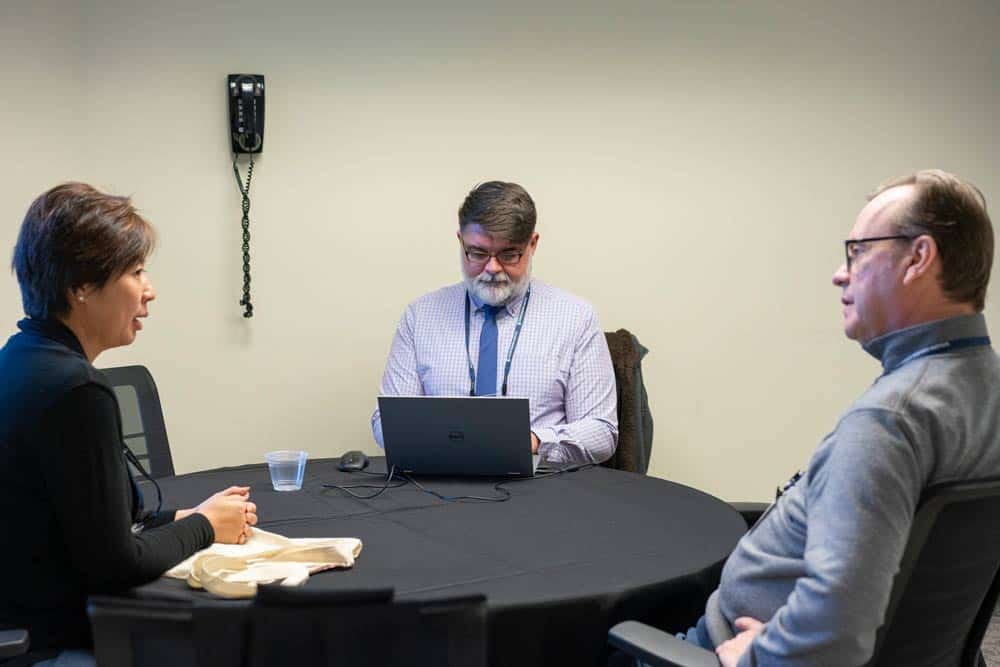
{"x": 810, "y": 583}
{"x": 500, "y": 332}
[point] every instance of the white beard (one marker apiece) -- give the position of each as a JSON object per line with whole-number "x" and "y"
{"x": 497, "y": 289}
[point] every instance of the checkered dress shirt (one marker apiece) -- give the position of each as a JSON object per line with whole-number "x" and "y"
{"x": 561, "y": 364}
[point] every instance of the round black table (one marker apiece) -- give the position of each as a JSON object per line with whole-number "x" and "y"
{"x": 560, "y": 562}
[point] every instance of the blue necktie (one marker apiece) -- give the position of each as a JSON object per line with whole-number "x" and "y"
{"x": 486, "y": 377}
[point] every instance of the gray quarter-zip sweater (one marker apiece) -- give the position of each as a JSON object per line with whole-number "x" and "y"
{"x": 818, "y": 567}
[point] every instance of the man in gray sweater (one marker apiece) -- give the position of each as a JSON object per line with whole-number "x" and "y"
{"x": 810, "y": 583}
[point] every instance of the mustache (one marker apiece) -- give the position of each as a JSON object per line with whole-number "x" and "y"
{"x": 494, "y": 279}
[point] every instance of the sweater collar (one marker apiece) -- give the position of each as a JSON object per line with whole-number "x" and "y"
{"x": 894, "y": 348}
{"x": 54, "y": 330}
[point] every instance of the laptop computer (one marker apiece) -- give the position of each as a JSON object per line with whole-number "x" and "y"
{"x": 446, "y": 435}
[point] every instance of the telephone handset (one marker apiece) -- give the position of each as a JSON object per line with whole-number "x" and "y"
{"x": 246, "y": 112}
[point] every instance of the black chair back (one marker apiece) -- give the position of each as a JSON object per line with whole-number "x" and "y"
{"x": 441, "y": 632}
{"x": 290, "y": 626}
{"x": 635, "y": 422}
{"x": 947, "y": 584}
{"x": 299, "y": 626}
{"x": 142, "y": 418}
{"x": 162, "y": 633}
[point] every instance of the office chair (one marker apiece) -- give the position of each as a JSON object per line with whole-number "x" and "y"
{"x": 942, "y": 597}
{"x": 218, "y": 633}
{"x": 159, "y": 633}
{"x": 300, "y": 626}
{"x": 142, "y": 418}
{"x": 635, "y": 422}
{"x": 289, "y": 626}
{"x": 13, "y": 643}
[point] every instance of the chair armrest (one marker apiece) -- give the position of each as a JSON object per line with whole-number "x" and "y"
{"x": 13, "y": 642}
{"x": 657, "y": 648}
{"x": 751, "y": 512}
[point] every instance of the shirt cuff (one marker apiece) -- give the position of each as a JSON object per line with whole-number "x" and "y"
{"x": 203, "y": 528}
{"x": 377, "y": 428}
{"x": 551, "y": 447}
{"x": 547, "y": 437}
{"x": 153, "y": 519}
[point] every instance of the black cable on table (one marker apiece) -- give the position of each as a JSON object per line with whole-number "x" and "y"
{"x": 485, "y": 499}
{"x": 504, "y": 496}
{"x": 346, "y": 488}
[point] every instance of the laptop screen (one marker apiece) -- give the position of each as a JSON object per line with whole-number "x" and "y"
{"x": 446, "y": 435}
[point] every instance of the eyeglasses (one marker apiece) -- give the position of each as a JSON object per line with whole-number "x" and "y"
{"x": 851, "y": 245}
{"x": 480, "y": 256}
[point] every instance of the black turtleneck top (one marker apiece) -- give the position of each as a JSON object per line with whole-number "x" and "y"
{"x": 67, "y": 500}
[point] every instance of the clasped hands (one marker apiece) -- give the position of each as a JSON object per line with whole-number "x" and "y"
{"x": 230, "y": 512}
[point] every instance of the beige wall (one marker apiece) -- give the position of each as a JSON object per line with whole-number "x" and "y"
{"x": 695, "y": 166}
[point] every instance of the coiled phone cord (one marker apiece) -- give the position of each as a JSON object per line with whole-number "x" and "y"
{"x": 245, "y": 191}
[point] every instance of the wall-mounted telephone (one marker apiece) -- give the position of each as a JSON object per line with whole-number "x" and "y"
{"x": 246, "y": 133}
{"x": 246, "y": 112}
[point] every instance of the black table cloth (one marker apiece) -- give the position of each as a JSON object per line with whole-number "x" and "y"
{"x": 560, "y": 562}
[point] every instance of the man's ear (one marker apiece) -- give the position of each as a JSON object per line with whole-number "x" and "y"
{"x": 922, "y": 257}
{"x": 534, "y": 241}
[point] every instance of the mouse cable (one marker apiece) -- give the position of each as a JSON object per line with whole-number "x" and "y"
{"x": 346, "y": 488}
{"x": 505, "y": 494}
{"x": 504, "y": 497}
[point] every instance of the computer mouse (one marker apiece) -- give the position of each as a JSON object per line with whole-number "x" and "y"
{"x": 353, "y": 460}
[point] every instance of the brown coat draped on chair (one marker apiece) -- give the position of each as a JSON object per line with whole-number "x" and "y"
{"x": 635, "y": 423}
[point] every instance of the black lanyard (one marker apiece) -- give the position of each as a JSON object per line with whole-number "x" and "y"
{"x": 947, "y": 346}
{"x": 510, "y": 352}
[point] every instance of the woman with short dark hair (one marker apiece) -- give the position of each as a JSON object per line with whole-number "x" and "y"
{"x": 74, "y": 523}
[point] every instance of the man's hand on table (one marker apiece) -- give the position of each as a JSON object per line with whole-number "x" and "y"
{"x": 230, "y": 512}
{"x": 534, "y": 443}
